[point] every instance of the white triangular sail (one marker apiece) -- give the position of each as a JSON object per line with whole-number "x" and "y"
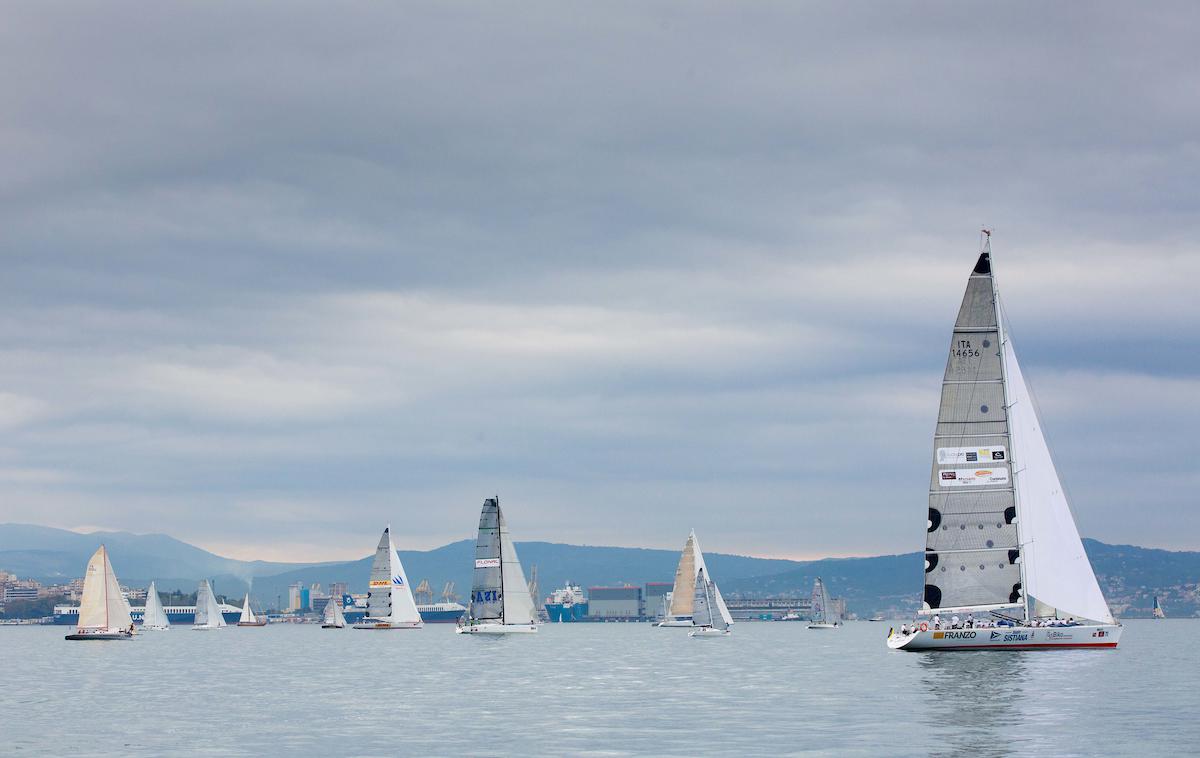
{"x": 247, "y": 616}
{"x": 102, "y": 607}
{"x": 154, "y": 617}
{"x": 518, "y": 603}
{"x": 389, "y": 596}
{"x": 208, "y": 612}
{"x": 333, "y": 613}
{"x": 1057, "y": 571}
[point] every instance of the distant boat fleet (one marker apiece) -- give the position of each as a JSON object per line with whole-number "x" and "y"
{"x": 1004, "y": 565}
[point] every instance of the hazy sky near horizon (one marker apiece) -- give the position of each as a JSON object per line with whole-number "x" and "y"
{"x": 276, "y": 274}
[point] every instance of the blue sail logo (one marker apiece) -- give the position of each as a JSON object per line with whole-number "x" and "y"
{"x": 398, "y": 581}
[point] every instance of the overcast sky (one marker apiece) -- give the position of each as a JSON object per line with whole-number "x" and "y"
{"x": 277, "y": 274}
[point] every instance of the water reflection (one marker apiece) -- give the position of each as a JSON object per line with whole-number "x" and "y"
{"x": 972, "y": 705}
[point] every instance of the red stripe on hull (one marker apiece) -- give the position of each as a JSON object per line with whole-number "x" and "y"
{"x": 1017, "y": 647}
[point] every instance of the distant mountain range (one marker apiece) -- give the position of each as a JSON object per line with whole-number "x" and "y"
{"x": 1130, "y": 575}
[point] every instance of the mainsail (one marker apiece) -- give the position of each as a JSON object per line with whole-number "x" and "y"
{"x": 154, "y": 617}
{"x": 499, "y": 592}
{"x": 102, "y": 607}
{"x": 389, "y": 597}
{"x": 701, "y": 609}
{"x": 820, "y": 604}
{"x": 208, "y": 613}
{"x": 999, "y": 529}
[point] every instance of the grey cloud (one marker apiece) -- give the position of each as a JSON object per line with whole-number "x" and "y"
{"x": 637, "y": 266}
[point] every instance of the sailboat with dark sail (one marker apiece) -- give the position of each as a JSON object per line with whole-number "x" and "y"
{"x": 1002, "y": 554}
{"x": 390, "y": 603}
{"x": 500, "y": 599}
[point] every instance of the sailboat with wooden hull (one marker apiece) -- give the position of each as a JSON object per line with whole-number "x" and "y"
{"x": 103, "y": 610}
{"x": 823, "y": 616}
{"x": 500, "y": 599}
{"x": 390, "y": 603}
{"x": 249, "y": 617}
{"x": 1004, "y": 565}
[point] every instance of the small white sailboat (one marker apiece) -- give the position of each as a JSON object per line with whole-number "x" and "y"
{"x": 103, "y": 610}
{"x": 500, "y": 599}
{"x": 683, "y": 596}
{"x": 390, "y": 603}
{"x": 1158, "y": 609}
{"x": 710, "y": 618}
{"x": 333, "y": 618}
{"x": 154, "y": 618}
{"x": 248, "y": 617}
{"x": 823, "y": 616}
{"x": 1002, "y": 549}
{"x": 208, "y": 612}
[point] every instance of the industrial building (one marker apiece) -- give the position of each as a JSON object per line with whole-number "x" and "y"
{"x": 615, "y": 604}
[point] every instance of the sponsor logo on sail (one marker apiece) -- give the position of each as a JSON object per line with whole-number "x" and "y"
{"x": 377, "y": 583}
{"x": 398, "y": 580}
{"x": 949, "y": 475}
{"x": 952, "y": 455}
{"x": 483, "y": 563}
{"x": 974, "y": 477}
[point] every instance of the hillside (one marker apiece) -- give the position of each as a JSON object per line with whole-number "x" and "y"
{"x": 1130, "y": 575}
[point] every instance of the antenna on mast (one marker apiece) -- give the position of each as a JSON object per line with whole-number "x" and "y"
{"x": 985, "y": 240}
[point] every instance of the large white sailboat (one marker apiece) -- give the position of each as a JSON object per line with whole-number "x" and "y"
{"x": 103, "y": 610}
{"x": 208, "y": 612}
{"x": 500, "y": 599}
{"x": 248, "y": 617}
{"x": 683, "y": 596}
{"x": 154, "y": 617}
{"x": 823, "y": 615}
{"x": 1002, "y": 555}
{"x": 390, "y": 603}
{"x": 710, "y": 618}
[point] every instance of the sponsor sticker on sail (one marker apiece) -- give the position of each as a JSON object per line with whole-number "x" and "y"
{"x": 971, "y": 455}
{"x": 974, "y": 477}
{"x": 378, "y": 583}
{"x": 483, "y": 563}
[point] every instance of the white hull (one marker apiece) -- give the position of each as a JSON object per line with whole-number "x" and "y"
{"x": 154, "y": 628}
{"x": 392, "y": 625}
{"x": 823, "y": 626}
{"x": 205, "y": 628}
{"x": 496, "y": 629}
{"x": 678, "y": 622}
{"x": 1010, "y": 638}
{"x": 333, "y": 626}
{"x": 708, "y": 631}
{"x": 99, "y": 635}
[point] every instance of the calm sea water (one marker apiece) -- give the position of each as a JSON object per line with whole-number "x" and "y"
{"x": 591, "y": 689}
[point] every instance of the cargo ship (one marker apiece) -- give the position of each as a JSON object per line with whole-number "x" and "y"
{"x": 567, "y": 604}
{"x": 68, "y": 615}
{"x": 431, "y": 613}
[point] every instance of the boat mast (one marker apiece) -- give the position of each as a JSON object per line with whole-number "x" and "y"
{"x": 986, "y": 247}
{"x": 500, "y": 553}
